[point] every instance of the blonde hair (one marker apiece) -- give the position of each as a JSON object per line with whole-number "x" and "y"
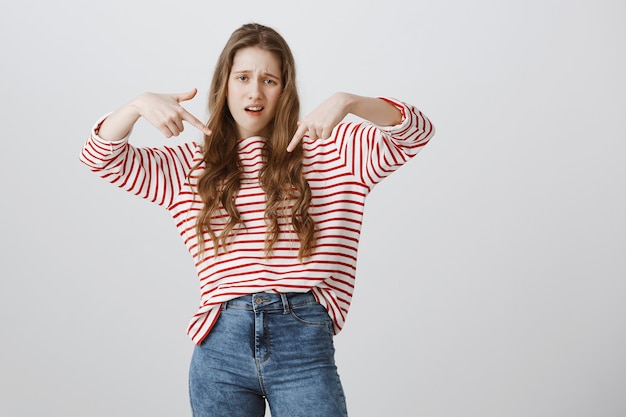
{"x": 280, "y": 177}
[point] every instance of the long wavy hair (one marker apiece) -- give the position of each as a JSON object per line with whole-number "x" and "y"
{"x": 287, "y": 192}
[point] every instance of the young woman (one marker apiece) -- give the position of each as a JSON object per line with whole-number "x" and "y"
{"x": 270, "y": 209}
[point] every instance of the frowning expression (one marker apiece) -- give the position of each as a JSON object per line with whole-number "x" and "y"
{"x": 254, "y": 87}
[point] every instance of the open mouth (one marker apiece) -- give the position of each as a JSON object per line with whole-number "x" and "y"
{"x": 254, "y": 109}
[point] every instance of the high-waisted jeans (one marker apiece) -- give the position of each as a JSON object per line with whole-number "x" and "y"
{"x": 277, "y": 347}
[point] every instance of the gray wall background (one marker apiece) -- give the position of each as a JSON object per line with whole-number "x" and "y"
{"x": 492, "y": 267}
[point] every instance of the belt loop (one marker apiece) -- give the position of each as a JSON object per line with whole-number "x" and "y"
{"x": 285, "y": 301}
{"x": 224, "y": 305}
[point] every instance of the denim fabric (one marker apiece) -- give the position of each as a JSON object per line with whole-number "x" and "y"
{"x": 277, "y": 347}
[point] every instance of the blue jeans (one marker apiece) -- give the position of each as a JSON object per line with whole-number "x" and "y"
{"x": 277, "y": 347}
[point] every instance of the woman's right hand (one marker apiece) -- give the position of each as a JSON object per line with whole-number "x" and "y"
{"x": 163, "y": 111}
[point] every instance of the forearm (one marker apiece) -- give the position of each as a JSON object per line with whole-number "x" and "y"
{"x": 119, "y": 123}
{"x": 375, "y": 110}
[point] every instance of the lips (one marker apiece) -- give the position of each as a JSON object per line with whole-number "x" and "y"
{"x": 254, "y": 109}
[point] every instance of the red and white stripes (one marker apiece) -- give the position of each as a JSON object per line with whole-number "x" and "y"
{"x": 341, "y": 172}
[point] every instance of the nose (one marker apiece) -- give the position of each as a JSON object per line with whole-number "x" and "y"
{"x": 255, "y": 91}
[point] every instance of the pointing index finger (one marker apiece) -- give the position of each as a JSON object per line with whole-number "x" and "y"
{"x": 194, "y": 121}
{"x": 297, "y": 137}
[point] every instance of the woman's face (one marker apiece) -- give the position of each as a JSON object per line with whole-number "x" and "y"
{"x": 254, "y": 86}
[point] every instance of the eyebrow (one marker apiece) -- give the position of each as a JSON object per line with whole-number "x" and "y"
{"x": 268, "y": 74}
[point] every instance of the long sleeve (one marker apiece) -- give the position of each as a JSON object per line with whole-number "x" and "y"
{"x": 156, "y": 174}
{"x": 372, "y": 152}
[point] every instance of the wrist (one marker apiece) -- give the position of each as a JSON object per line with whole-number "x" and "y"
{"x": 135, "y": 108}
{"x": 347, "y": 101}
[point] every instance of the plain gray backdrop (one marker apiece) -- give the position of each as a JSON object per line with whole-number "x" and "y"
{"x": 491, "y": 270}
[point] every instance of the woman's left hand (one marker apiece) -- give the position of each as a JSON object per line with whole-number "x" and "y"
{"x": 319, "y": 124}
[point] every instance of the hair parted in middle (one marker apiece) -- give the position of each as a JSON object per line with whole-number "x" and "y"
{"x": 280, "y": 177}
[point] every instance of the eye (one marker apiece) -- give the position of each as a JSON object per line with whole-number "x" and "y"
{"x": 242, "y": 78}
{"x": 269, "y": 81}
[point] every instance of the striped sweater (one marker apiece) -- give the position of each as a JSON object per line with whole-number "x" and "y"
{"x": 341, "y": 171}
